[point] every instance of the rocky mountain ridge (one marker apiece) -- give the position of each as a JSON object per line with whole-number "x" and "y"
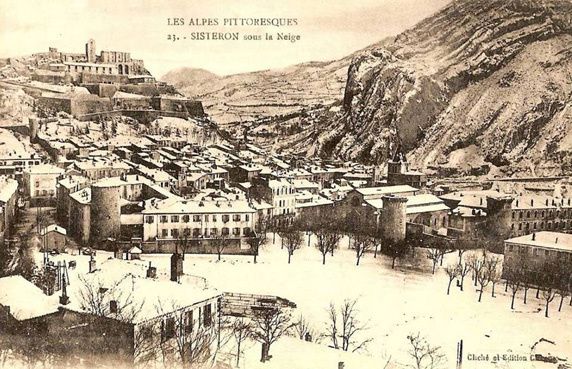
{"x": 486, "y": 81}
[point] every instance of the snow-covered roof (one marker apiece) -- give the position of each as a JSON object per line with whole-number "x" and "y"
{"x": 44, "y": 169}
{"x": 135, "y": 250}
{"x": 545, "y": 239}
{"x": 153, "y": 297}
{"x": 198, "y": 207}
{"x": 8, "y": 187}
{"x": 387, "y": 190}
{"x": 25, "y": 300}
{"x": 415, "y": 204}
{"x": 53, "y": 228}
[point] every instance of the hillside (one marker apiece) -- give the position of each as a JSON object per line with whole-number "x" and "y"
{"x": 189, "y": 78}
{"x": 482, "y": 86}
{"x": 495, "y": 88}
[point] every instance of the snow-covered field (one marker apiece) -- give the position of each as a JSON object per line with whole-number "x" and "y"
{"x": 394, "y": 303}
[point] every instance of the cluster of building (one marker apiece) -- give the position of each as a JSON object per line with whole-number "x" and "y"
{"x": 123, "y": 312}
{"x": 87, "y": 85}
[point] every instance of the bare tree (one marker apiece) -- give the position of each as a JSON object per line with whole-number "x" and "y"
{"x": 326, "y": 242}
{"x": 220, "y": 242}
{"x": 476, "y": 265}
{"x": 303, "y": 329}
{"x": 268, "y": 325}
{"x": 395, "y": 250}
{"x": 255, "y": 241}
{"x": 185, "y": 339}
{"x": 492, "y": 265}
{"x": 548, "y": 295}
{"x": 514, "y": 280}
{"x": 242, "y": 331}
{"x": 183, "y": 243}
{"x": 434, "y": 254}
{"x": 464, "y": 269}
{"x": 483, "y": 278}
{"x": 345, "y": 327}
{"x": 423, "y": 354}
{"x": 294, "y": 239}
{"x": 362, "y": 244}
{"x": 453, "y": 271}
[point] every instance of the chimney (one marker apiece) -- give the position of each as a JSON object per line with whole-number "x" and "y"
{"x": 531, "y": 202}
{"x": 151, "y": 271}
{"x": 92, "y": 264}
{"x": 546, "y": 202}
{"x": 64, "y": 299}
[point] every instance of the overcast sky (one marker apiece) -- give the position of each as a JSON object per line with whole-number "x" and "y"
{"x": 328, "y": 29}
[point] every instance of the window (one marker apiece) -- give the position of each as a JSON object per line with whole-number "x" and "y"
{"x": 164, "y": 219}
{"x": 225, "y": 218}
{"x": 206, "y": 217}
{"x": 196, "y": 218}
{"x": 168, "y": 329}
{"x": 546, "y": 253}
{"x": 225, "y": 231}
{"x": 196, "y": 232}
{"x": 174, "y": 233}
{"x": 149, "y": 219}
{"x": 246, "y": 231}
{"x": 236, "y": 217}
{"x": 189, "y": 321}
{"x": 214, "y": 231}
{"x": 207, "y": 315}
{"x": 164, "y": 233}
{"x": 214, "y": 217}
{"x": 174, "y": 219}
{"x": 236, "y": 231}
{"x": 37, "y": 183}
{"x": 247, "y": 217}
{"x": 113, "y": 306}
{"x": 186, "y": 218}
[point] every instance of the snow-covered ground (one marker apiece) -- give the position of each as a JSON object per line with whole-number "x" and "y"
{"x": 394, "y": 303}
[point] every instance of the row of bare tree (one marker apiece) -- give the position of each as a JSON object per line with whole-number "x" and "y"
{"x": 552, "y": 278}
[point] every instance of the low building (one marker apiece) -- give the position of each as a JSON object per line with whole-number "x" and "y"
{"x": 40, "y": 181}
{"x": 539, "y": 252}
{"x": 54, "y": 237}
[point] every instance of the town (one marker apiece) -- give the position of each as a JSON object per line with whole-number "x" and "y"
{"x": 135, "y": 231}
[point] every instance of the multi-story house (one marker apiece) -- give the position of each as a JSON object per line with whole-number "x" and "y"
{"x": 201, "y": 222}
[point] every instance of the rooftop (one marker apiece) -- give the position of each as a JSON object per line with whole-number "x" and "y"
{"x": 26, "y": 301}
{"x": 387, "y": 190}
{"x": 545, "y": 239}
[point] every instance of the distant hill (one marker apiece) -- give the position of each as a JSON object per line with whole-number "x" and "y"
{"x": 185, "y": 77}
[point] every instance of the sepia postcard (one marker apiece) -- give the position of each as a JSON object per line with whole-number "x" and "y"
{"x": 296, "y": 184}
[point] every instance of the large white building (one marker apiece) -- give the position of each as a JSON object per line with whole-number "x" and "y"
{"x": 41, "y": 180}
{"x": 174, "y": 218}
